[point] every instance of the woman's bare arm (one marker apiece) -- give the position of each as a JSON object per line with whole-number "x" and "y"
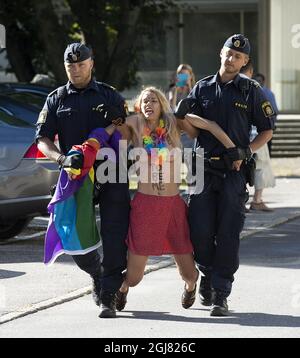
{"x": 212, "y": 127}
{"x": 125, "y": 131}
{"x": 188, "y": 128}
{"x": 111, "y": 128}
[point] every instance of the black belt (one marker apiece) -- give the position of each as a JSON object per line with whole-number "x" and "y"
{"x": 215, "y": 166}
{"x": 215, "y": 163}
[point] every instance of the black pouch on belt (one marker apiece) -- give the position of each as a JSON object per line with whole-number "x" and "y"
{"x": 250, "y": 166}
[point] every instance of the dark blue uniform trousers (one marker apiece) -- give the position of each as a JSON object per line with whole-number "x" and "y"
{"x": 216, "y": 218}
{"x": 114, "y": 214}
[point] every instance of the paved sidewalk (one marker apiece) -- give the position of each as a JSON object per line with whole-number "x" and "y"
{"x": 284, "y": 199}
{"x": 27, "y": 286}
{"x": 286, "y": 167}
{"x": 264, "y": 302}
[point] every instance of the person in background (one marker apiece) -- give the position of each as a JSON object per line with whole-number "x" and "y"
{"x": 184, "y": 82}
{"x": 260, "y": 78}
{"x": 264, "y": 177}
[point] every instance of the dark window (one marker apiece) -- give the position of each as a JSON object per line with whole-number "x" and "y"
{"x": 32, "y": 99}
{"x": 8, "y": 120}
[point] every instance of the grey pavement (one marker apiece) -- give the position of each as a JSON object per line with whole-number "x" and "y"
{"x": 27, "y": 286}
{"x": 284, "y": 198}
{"x": 265, "y": 301}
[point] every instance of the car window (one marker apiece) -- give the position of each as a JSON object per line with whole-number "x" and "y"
{"x": 8, "y": 120}
{"x": 18, "y": 109}
{"x": 33, "y": 99}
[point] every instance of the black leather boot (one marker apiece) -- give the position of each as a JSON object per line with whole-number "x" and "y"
{"x": 220, "y": 307}
{"x": 108, "y": 305}
{"x": 96, "y": 290}
{"x": 206, "y": 292}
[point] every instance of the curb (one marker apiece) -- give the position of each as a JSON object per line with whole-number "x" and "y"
{"x": 279, "y": 221}
{"x": 25, "y": 311}
{"x": 37, "y": 307}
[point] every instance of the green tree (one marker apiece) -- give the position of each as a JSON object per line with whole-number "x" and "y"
{"x": 19, "y": 46}
{"x": 38, "y": 32}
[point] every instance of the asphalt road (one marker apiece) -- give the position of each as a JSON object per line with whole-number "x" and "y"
{"x": 265, "y": 301}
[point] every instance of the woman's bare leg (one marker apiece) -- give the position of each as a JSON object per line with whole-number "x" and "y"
{"x": 187, "y": 269}
{"x": 135, "y": 271}
{"x": 257, "y": 198}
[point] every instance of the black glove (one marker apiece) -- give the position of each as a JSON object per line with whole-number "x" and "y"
{"x": 236, "y": 153}
{"x": 110, "y": 113}
{"x": 185, "y": 106}
{"x": 74, "y": 161}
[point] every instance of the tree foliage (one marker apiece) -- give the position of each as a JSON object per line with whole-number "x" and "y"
{"x": 38, "y": 32}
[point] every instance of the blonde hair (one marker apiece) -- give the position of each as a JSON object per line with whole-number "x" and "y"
{"x": 172, "y": 134}
{"x": 185, "y": 66}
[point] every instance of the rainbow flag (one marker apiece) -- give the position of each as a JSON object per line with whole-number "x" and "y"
{"x": 72, "y": 226}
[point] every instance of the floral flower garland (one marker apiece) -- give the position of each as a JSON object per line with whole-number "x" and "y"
{"x": 156, "y": 140}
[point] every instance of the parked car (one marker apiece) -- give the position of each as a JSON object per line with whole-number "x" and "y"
{"x": 15, "y": 108}
{"x": 25, "y": 88}
{"x": 23, "y": 100}
{"x": 26, "y": 175}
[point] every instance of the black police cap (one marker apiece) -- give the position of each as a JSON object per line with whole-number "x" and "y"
{"x": 77, "y": 52}
{"x": 238, "y": 42}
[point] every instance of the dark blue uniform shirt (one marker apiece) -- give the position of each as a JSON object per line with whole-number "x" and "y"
{"x": 73, "y": 116}
{"x": 235, "y": 106}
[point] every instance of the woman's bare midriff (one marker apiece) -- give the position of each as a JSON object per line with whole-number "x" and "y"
{"x": 160, "y": 182}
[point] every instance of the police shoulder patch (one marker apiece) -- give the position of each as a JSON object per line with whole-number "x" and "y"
{"x": 267, "y": 109}
{"x": 42, "y": 117}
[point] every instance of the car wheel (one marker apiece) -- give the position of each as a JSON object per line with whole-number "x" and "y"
{"x": 12, "y": 228}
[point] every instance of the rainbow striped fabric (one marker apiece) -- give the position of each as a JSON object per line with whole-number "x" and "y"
{"x": 72, "y": 226}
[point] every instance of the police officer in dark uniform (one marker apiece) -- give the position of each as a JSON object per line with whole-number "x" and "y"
{"x": 216, "y": 215}
{"x": 71, "y": 112}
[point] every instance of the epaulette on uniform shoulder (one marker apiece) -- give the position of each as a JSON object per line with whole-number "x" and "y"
{"x": 106, "y": 85}
{"x": 203, "y": 80}
{"x": 207, "y": 78}
{"x": 53, "y": 92}
{"x": 244, "y": 77}
{"x": 250, "y": 80}
{"x": 255, "y": 83}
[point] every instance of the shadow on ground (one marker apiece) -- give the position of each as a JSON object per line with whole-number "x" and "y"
{"x": 10, "y": 274}
{"x": 251, "y": 319}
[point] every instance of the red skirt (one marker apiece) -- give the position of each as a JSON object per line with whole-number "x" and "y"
{"x": 158, "y": 226}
